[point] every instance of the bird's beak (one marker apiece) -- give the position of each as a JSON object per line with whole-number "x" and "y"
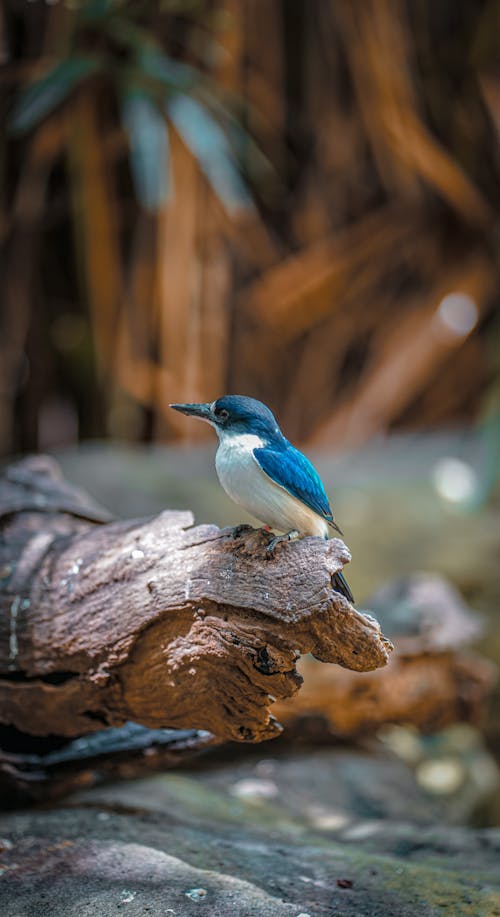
{"x": 203, "y": 411}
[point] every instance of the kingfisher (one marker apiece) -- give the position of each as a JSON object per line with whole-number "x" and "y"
{"x": 261, "y": 471}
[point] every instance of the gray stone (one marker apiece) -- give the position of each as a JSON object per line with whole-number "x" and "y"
{"x": 223, "y": 843}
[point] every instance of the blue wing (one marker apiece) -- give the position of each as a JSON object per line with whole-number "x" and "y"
{"x": 294, "y": 472}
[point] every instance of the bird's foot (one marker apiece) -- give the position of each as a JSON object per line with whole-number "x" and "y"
{"x": 241, "y": 529}
{"x": 278, "y": 539}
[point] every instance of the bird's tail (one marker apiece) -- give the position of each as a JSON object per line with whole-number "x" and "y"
{"x": 340, "y": 585}
{"x": 335, "y": 526}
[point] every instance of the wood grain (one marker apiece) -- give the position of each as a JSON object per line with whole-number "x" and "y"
{"x": 156, "y": 620}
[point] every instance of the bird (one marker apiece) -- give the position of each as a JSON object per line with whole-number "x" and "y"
{"x": 261, "y": 471}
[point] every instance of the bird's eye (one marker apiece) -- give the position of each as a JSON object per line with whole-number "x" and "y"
{"x": 222, "y": 414}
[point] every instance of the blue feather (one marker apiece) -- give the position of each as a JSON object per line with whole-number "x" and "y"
{"x": 293, "y": 471}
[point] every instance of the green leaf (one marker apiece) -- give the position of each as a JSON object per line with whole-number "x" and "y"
{"x": 244, "y": 148}
{"x": 171, "y": 73}
{"x": 94, "y": 10}
{"x": 209, "y": 144}
{"x": 149, "y": 148}
{"x": 40, "y": 98}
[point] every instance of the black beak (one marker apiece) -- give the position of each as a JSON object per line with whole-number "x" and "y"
{"x": 203, "y": 411}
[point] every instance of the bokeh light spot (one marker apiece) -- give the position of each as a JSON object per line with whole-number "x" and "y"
{"x": 454, "y": 480}
{"x": 457, "y": 314}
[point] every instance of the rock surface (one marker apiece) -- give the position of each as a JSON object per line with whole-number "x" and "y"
{"x": 324, "y": 835}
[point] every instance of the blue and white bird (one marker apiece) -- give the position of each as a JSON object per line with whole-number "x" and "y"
{"x": 261, "y": 471}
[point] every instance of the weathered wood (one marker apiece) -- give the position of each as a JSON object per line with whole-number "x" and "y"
{"x": 157, "y": 621}
{"x": 429, "y": 692}
{"x": 431, "y": 681}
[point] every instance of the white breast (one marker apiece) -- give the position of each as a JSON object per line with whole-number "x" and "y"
{"x": 243, "y": 479}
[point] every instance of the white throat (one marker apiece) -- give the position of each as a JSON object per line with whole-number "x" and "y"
{"x": 238, "y": 442}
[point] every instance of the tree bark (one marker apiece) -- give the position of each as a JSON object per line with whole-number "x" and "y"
{"x": 157, "y": 621}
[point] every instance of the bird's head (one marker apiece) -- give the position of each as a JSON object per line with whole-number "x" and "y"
{"x": 235, "y": 415}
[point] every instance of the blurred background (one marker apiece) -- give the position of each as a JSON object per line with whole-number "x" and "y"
{"x": 294, "y": 201}
{"x": 298, "y": 201}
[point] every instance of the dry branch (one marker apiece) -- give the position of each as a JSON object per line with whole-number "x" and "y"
{"x": 155, "y": 620}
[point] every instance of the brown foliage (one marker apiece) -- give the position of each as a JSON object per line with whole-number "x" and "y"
{"x": 382, "y": 124}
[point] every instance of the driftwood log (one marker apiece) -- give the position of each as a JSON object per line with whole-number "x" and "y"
{"x": 156, "y": 621}
{"x": 432, "y": 680}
